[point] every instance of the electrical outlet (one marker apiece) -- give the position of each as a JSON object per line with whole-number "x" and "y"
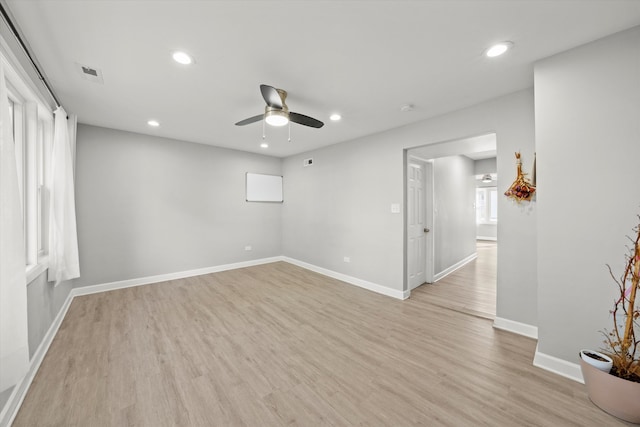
{"x": 347, "y": 259}
{"x": 248, "y": 248}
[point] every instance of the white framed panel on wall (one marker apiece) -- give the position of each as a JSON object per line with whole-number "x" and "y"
{"x": 264, "y": 188}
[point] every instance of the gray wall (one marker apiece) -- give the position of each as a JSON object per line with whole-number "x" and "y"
{"x": 148, "y": 206}
{"x": 454, "y": 225}
{"x": 44, "y": 302}
{"x": 588, "y": 143}
{"x": 341, "y": 205}
{"x": 483, "y": 166}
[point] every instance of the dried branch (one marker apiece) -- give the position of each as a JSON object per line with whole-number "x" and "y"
{"x": 623, "y": 348}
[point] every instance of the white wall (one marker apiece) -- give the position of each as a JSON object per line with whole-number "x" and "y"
{"x": 454, "y": 225}
{"x": 148, "y": 206}
{"x": 588, "y": 144}
{"x": 341, "y": 205}
{"x": 487, "y": 232}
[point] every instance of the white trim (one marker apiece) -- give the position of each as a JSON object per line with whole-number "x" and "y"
{"x": 12, "y": 406}
{"x": 524, "y": 329}
{"x": 558, "y": 366}
{"x": 121, "y": 284}
{"x": 35, "y": 270}
{"x": 493, "y": 239}
{"x": 384, "y": 290}
{"x": 455, "y": 267}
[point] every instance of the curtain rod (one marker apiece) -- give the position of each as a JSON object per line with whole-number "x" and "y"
{"x": 14, "y": 30}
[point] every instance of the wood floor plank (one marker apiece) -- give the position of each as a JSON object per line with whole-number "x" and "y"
{"x": 472, "y": 288}
{"x": 277, "y": 345}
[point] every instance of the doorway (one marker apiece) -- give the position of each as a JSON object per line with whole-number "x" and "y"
{"x": 441, "y": 223}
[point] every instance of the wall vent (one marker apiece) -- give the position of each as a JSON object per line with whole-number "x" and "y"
{"x": 90, "y": 73}
{"x": 307, "y": 162}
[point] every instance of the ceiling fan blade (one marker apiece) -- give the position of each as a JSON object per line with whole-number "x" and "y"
{"x": 250, "y": 120}
{"x": 271, "y": 96}
{"x": 305, "y": 120}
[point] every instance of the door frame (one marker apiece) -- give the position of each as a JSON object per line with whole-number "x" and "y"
{"x": 429, "y": 221}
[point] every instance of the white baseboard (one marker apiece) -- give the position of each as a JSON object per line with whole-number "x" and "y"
{"x": 524, "y": 329}
{"x": 351, "y": 280}
{"x": 558, "y": 366}
{"x": 121, "y": 284}
{"x": 455, "y": 267}
{"x": 12, "y": 406}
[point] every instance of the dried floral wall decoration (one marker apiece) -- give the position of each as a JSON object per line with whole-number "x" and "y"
{"x": 521, "y": 189}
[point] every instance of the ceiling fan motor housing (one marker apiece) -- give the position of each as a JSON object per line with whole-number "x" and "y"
{"x": 277, "y": 113}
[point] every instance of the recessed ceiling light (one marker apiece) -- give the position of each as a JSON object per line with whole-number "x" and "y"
{"x": 498, "y": 49}
{"x": 153, "y": 123}
{"x": 335, "y": 117}
{"x": 182, "y": 58}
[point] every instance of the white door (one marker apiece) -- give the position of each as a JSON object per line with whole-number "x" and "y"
{"x": 416, "y": 228}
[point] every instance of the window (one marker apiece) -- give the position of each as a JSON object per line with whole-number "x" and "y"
{"x": 43, "y": 148}
{"x": 16, "y": 117}
{"x": 486, "y": 205}
{"x": 32, "y": 125}
{"x": 37, "y": 147}
{"x": 11, "y": 116}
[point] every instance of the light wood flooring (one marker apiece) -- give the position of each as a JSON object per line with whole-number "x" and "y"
{"x": 470, "y": 289}
{"x": 277, "y": 345}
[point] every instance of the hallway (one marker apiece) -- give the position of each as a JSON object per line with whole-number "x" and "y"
{"x": 471, "y": 289}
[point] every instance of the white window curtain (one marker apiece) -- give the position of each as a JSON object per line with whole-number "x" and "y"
{"x": 64, "y": 263}
{"x": 14, "y": 343}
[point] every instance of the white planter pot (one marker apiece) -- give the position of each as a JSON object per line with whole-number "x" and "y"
{"x": 614, "y": 395}
{"x": 604, "y": 366}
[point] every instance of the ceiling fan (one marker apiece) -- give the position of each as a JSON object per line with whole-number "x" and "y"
{"x": 276, "y": 113}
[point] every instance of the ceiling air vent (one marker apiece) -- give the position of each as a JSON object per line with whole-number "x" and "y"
{"x": 90, "y": 73}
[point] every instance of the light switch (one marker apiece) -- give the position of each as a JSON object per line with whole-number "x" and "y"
{"x": 395, "y": 208}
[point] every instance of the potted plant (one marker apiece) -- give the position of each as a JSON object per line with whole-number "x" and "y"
{"x": 618, "y": 391}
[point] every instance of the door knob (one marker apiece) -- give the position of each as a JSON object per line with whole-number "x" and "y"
{"x": 426, "y": 230}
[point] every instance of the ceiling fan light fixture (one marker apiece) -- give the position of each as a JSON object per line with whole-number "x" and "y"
{"x": 276, "y": 118}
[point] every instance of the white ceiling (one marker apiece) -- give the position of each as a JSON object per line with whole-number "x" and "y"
{"x": 363, "y": 59}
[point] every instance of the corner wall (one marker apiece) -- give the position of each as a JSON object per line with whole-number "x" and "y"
{"x": 588, "y": 143}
